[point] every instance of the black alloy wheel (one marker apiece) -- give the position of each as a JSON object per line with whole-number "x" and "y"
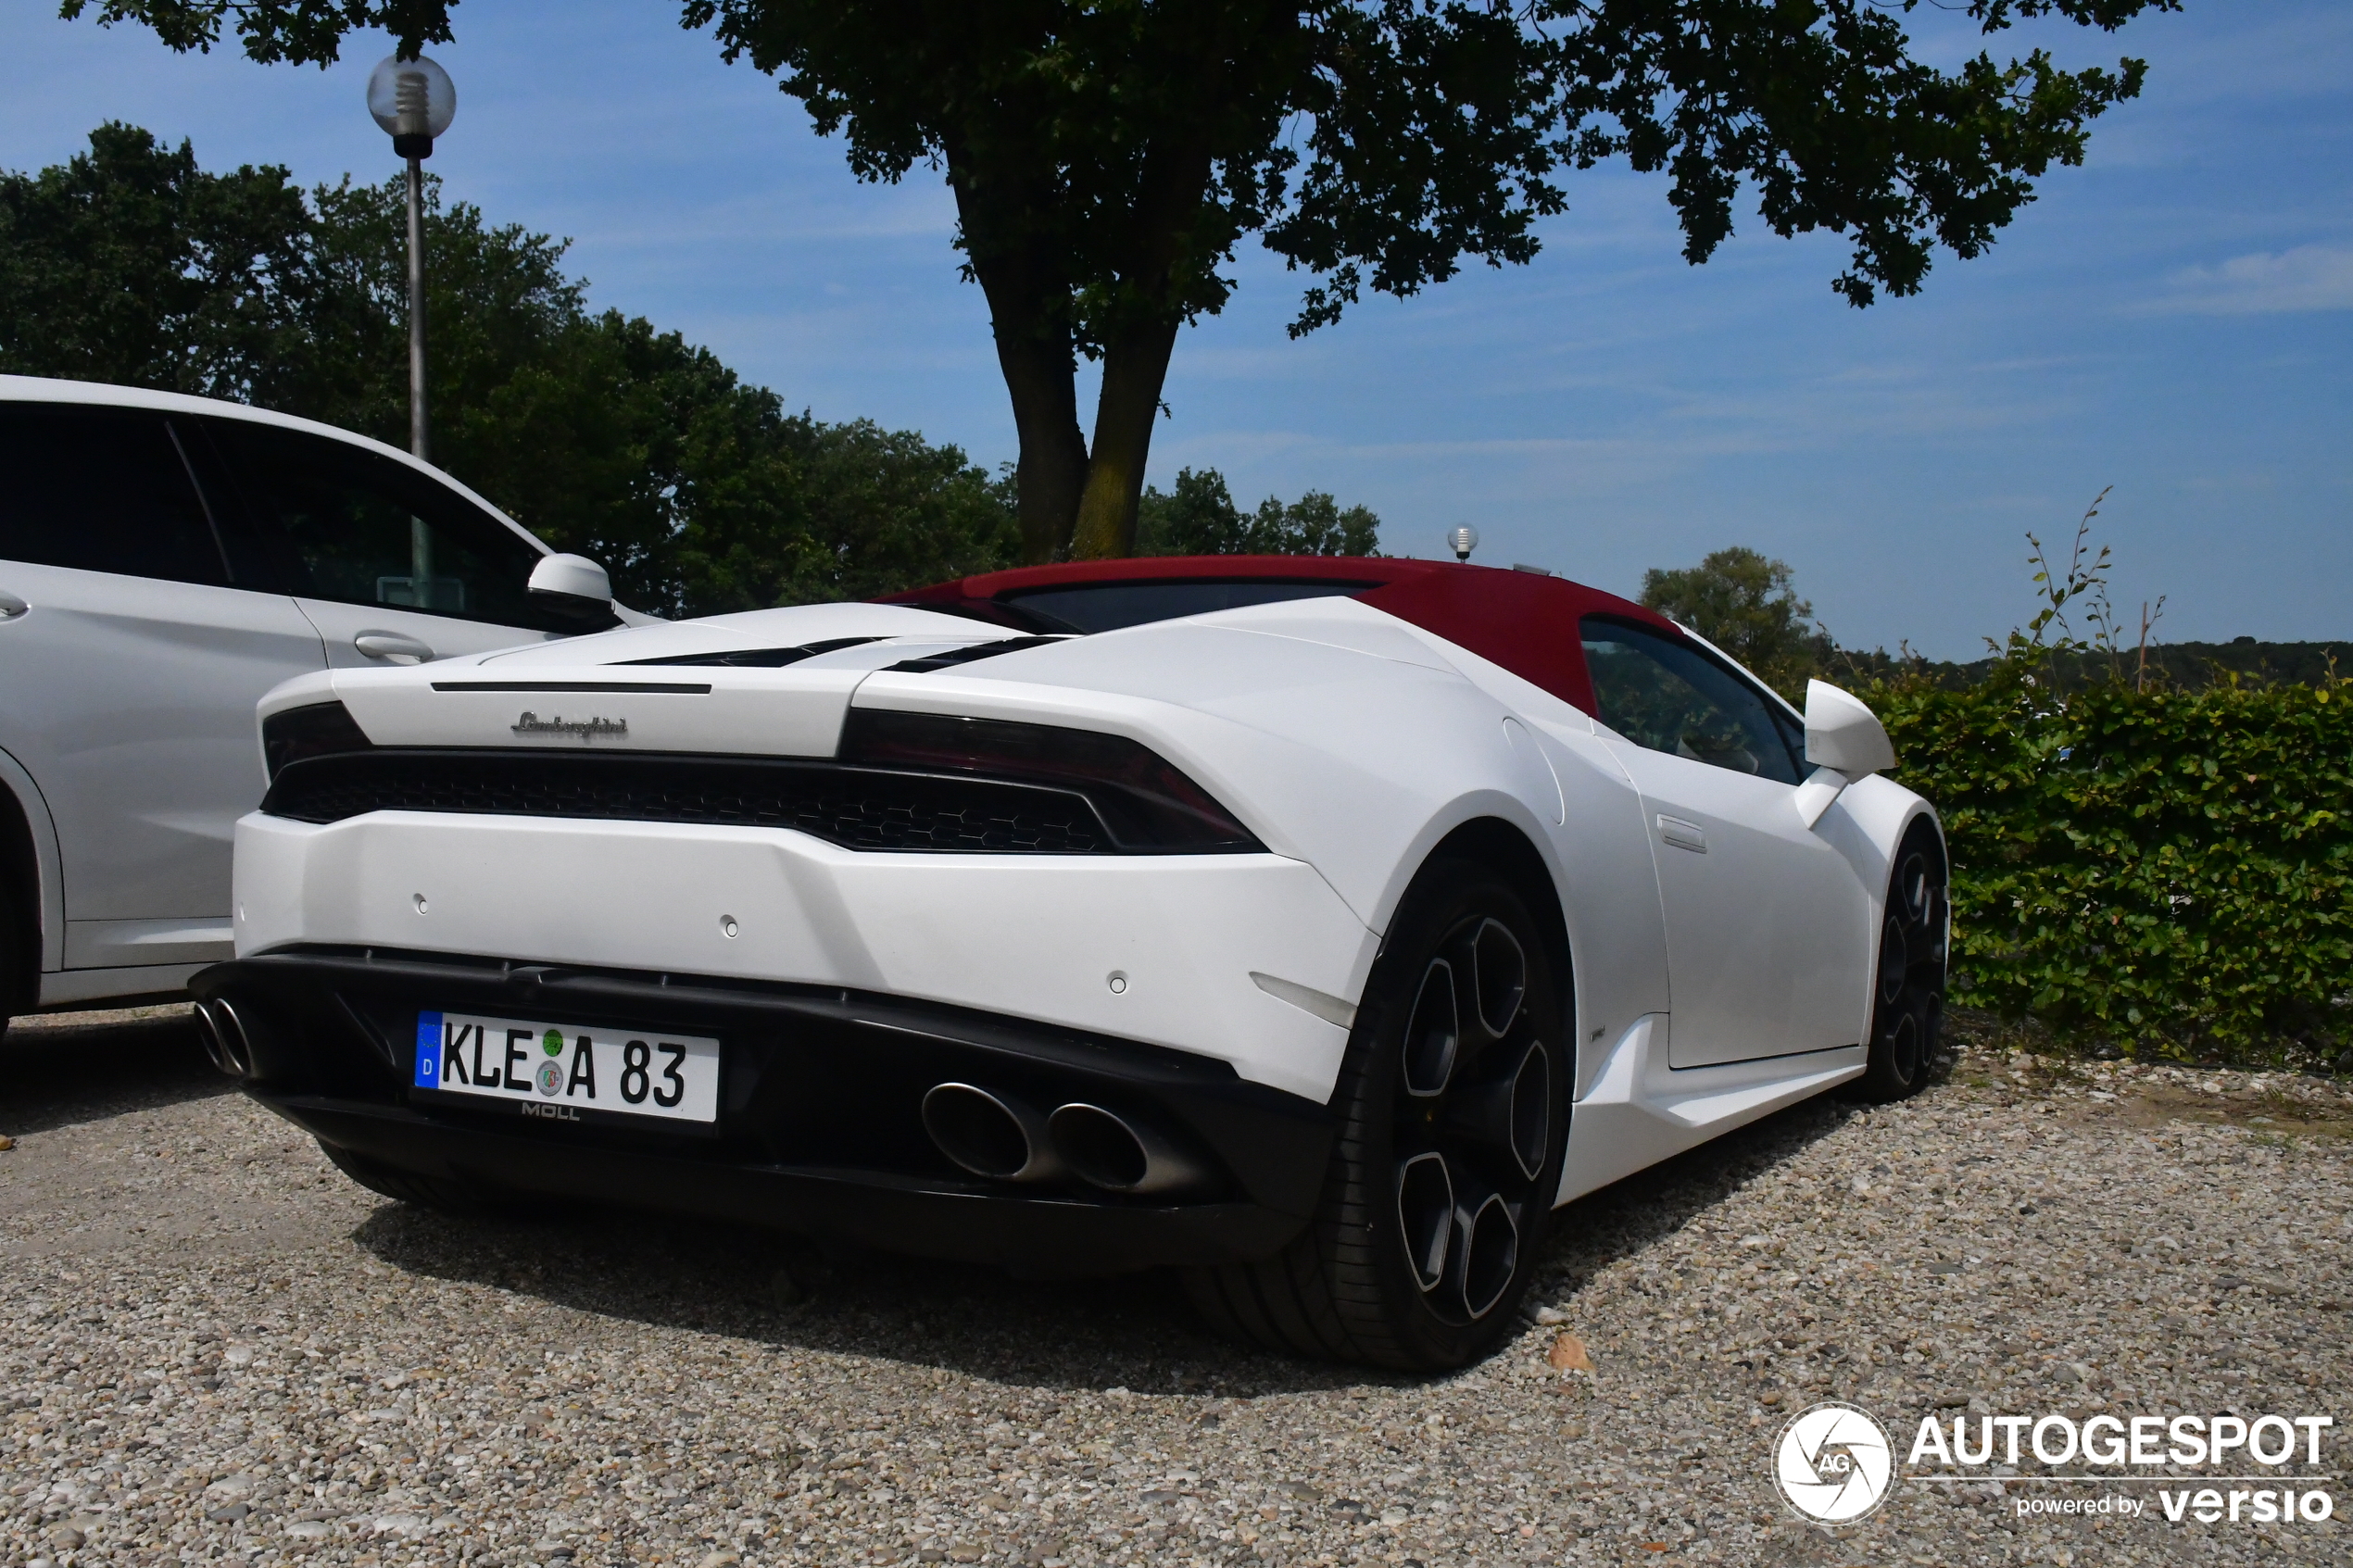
{"x": 1907, "y": 1001}
{"x": 1454, "y": 1116}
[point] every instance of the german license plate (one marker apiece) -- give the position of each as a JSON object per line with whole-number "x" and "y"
{"x": 567, "y": 1072}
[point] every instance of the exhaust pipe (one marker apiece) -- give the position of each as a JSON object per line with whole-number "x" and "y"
{"x": 1109, "y": 1151}
{"x": 990, "y": 1134}
{"x": 224, "y": 1037}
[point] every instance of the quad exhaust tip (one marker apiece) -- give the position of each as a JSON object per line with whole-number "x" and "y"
{"x": 998, "y": 1135}
{"x": 1108, "y": 1151}
{"x": 224, "y": 1037}
{"x": 990, "y": 1134}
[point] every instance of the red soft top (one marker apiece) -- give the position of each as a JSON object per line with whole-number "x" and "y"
{"x": 1523, "y": 621}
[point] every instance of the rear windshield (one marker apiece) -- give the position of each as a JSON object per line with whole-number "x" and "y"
{"x": 1106, "y": 607}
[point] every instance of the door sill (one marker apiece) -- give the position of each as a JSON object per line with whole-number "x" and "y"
{"x": 121, "y": 987}
{"x": 135, "y": 943}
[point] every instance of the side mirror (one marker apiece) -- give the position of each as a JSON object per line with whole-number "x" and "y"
{"x": 1843, "y": 733}
{"x": 575, "y": 585}
{"x": 1844, "y": 740}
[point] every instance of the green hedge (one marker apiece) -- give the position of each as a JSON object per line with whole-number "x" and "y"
{"x": 2165, "y": 870}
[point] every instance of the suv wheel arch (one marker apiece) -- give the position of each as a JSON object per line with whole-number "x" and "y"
{"x": 20, "y": 910}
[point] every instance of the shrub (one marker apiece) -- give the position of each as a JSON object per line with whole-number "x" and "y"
{"x": 2166, "y": 870}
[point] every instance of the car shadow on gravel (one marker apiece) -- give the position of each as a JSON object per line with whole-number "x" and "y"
{"x": 65, "y": 1068}
{"x": 1133, "y": 1331}
{"x": 1631, "y": 1216}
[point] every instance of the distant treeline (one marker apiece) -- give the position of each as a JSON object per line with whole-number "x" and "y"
{"x": 1746, "y": 604}
{"x": 2183, "y": 666}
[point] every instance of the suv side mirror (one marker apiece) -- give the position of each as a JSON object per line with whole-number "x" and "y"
{"x": 575, "y": 585}
{"x": 1844, "y": 740}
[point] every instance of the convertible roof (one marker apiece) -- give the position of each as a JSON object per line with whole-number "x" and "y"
{"x": 1524, "y": 621}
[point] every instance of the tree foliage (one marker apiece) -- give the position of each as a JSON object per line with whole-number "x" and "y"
{"x": 1743, "y": 602}
{"x": 701, "y": 494}
{"x": 1107, "y": 156}
{"x": 130, "y": 264}
{"x": 1198, "y": 517}
{"x": 301, "y": 32}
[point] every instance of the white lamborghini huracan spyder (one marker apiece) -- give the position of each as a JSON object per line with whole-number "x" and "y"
{"x": 1315, "y": 927}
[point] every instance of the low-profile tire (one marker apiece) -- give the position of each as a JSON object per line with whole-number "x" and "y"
{"x": 1453, "y": 1109}
{"x": 426, "y": 1192}
{"x": 1908, "y": 994}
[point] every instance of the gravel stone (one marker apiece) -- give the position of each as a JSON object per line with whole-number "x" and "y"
{"x": 219, "y": 1350}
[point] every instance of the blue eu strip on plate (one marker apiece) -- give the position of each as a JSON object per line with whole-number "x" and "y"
{"x": 428, "y": 1050}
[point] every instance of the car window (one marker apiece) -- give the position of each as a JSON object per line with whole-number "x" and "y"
{"x": 104, "y": 490}
{"x": 1663, "y": 694}
{"x": 1106, "y": 607}
{"x": 358, "y": 528}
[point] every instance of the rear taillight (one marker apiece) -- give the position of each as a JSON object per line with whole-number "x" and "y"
{"x": 296, "y": 735}
{"x": 1146, "y": 802}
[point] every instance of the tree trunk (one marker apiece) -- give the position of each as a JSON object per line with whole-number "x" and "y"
{"x": 1028, "y": 294}
{"x": 1134, "y": 371}
{"x": 1073, "y": 503}
{"x": 1169, "y": 198}
{"x": 1051, "y": 474}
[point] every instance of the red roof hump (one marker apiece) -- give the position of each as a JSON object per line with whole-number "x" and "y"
{"x": 1525, "y": 622}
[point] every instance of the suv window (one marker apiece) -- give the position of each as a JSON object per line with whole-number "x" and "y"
{"x": 1663, "y": 694}
{"x": 1106, "y": 607}
{"x": 358, "y": 528}
{"x": 102, "y": 490}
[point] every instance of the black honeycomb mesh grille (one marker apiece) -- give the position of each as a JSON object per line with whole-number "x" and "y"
{"x": 858, "y": 808}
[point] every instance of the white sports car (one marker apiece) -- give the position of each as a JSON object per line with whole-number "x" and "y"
{"x": 1317, "y": 926}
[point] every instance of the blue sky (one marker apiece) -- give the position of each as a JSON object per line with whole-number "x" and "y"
{"x": 2173, "y": 320}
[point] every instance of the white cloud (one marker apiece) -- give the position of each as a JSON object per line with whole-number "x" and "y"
{"x": 2306, "y": 278}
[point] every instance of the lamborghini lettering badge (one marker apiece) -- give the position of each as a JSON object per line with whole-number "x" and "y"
{"x": 586, "y": 729}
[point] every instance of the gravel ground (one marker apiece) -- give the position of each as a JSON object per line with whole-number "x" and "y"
{"x": 219, "y": 1350}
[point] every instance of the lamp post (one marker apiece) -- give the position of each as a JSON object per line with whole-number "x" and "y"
{"x": 414, "y": 101}
{"x": 1462, "y": 541}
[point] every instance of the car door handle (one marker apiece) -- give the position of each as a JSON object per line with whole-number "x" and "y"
{"x": 393, "y": 648}
{"x": 1682, "y": 835}
{"x": 10, "y": 606}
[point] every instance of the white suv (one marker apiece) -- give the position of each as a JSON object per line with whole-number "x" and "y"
{"x": 164, "y": 562}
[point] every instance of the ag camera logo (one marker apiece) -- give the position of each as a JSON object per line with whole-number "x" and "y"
{"x": 1834, "y": 1464}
